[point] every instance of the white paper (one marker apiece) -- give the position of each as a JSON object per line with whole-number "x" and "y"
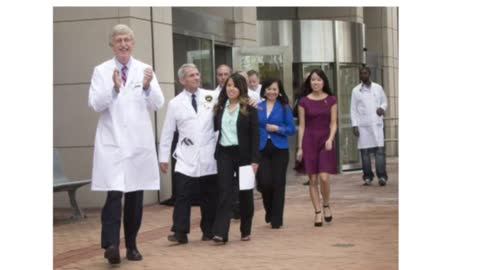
{"x": 246, "y": 177}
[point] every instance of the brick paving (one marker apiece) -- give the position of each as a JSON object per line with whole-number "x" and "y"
{"x": 362, "y": 235}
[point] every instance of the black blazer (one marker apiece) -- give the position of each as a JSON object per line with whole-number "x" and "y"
{"x": 248, "y": 133}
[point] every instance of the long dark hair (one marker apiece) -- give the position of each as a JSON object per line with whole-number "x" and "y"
{"x": 307, "y": 87}
{"x": 282, "y": 97}
{"x": 240, "y": 83}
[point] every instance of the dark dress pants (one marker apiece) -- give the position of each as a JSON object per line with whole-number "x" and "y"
{"x": 112, "y": 214}
{"x": 227, "y": 164}
{"x": 271, "y": 179}
{"x": 185, "y": 188}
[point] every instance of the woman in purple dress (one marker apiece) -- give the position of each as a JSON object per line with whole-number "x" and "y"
{"x": 317, "y": 114}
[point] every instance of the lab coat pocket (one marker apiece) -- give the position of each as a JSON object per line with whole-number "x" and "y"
{"x": 207, "y": 153}
{"x": 186, "y": 153}
{"x": 105, "y": 131}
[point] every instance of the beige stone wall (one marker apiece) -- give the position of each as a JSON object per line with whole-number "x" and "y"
{"x": 381, "y": 30}
{"x": 81, "y": 38}
{"x": 245, "y": 19}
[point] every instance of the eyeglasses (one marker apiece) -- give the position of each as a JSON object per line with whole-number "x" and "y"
{"x": 120, "y": 40}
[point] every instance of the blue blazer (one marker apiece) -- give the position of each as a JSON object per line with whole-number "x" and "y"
{"x": 280, "y": 116}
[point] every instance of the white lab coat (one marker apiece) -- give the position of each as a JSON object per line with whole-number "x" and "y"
{"x": 257, "y": 90}
{"x": 217, "y": 91}
{"x": 254, "y": 95}
{"x": 197, "y": 139}
{"x": 124, "y": 154}
{"x": 363, "y": 113}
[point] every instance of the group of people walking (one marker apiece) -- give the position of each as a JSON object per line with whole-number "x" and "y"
{"x": 241, "y": 125}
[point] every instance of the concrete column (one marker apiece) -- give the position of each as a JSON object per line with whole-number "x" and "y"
{"x": 163, "y": 52}
{"x": 381, "y": 28}
{"x": 245, "y": 19}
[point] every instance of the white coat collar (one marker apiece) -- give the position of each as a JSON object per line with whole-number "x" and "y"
{"x": 187, "y": 100}
{"x": 132, "y": 68}
{"x": 120, "y": 65}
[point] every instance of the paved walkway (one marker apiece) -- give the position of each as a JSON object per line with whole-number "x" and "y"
{"x": 363, "y": 234}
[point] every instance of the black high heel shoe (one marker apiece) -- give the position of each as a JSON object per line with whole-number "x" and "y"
{"x": 329, "y": 218}
{"x": 318, "y": 224}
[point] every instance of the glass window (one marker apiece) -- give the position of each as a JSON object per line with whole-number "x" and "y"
{"x": 223, "y": 55}
{"x": 194, "y": 50}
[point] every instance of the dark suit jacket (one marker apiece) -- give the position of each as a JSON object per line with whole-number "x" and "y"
{"x": 248, "y": 135}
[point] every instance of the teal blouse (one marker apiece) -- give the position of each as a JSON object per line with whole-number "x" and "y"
{"x": 229, "y": 126}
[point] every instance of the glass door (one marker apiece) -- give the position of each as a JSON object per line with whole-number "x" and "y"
{"x": 187, "y": 49}
{"x": 301, "y": 72}
{"x": 349, "y": 156}
{"x": 274, "y": 61}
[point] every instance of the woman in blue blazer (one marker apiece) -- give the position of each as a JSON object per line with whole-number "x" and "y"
{"x": 276, "y": 124}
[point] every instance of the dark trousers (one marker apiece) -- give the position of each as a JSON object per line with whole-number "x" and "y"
{"x": 185, "y": 190}
{"x": 235, "y": 200}
{"x": 227, "y": 164}
{"x": 380, "y": 164}
{"x": 271, "y": 179}
{"x": 112, "y": 214}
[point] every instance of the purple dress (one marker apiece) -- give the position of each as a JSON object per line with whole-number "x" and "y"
{"x": 317, "y": 130}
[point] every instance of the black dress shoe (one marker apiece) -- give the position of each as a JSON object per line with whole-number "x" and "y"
{"x": 206, "y": 237}
{"x": 245, "y": 238}
{"x": 219, "y": 240}
{"x": 180, "y": 239}
{"x": 267, "y": 218}
{"x": 134, "y": 255}
{"x": 112, "y": 254}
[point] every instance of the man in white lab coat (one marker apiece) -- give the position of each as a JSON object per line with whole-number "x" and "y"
{"x": 191, "y": 114}
{"x": 124, "y": 91}
{"x": 367, "y": 109}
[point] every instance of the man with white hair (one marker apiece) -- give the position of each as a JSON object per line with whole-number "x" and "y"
{"x": 191, "y": 114}
{"x": 124, "y": 91}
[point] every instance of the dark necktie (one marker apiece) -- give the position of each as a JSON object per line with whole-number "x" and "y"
{"x": 124, "y": 74}
{"x": 194, "y": 102}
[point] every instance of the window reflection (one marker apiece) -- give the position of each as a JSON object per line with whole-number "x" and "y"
{"x": 194, "y": 50}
